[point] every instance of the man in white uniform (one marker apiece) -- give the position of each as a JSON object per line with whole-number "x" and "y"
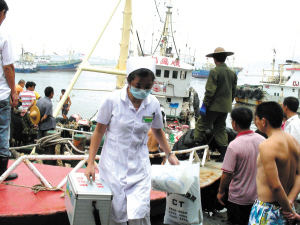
{"x": 292, "y": 125}
{"x": 125, "y": 117}
{"x": 7, "y": 90}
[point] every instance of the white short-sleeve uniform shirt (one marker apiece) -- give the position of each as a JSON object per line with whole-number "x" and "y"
{"x": 6, "y": 58}
{"x": 292, "y": 126}
{"x": 124, "y": 162}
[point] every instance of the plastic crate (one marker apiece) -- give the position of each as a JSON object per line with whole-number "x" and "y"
{"x": 174, "y": 105}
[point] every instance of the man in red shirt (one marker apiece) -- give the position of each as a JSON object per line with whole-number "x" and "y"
{"x": 239, "y": 168}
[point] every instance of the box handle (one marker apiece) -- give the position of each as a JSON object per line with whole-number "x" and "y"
{"x": 96, "y": 213}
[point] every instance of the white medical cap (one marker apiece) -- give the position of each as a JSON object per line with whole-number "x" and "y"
{"x": 135, "y": 63}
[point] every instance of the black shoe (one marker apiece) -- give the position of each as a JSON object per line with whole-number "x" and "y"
{"x": 11, "y": 176}
{"x": 3, "y": 168}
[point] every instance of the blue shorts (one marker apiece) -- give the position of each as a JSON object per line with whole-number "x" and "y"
{"x": 263, "y": 213}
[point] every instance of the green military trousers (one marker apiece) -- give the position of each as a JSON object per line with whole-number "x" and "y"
{"x": 218, "y": 119}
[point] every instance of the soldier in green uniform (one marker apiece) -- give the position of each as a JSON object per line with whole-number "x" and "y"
{"x": 219, "y": 94}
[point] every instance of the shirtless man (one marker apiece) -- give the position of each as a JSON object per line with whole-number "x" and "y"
{"x": 278, "y": 179}
{"x": 66, "y": 105}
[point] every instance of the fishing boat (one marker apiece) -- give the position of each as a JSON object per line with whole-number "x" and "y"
{"x": 25, "y": 67}
{"x": 173, "y": 77}
{"x": 25, "y": 64}
{"x": 45, "y": 62}
{"x": 204, "y": 71}
{"x": 280, "y": 84}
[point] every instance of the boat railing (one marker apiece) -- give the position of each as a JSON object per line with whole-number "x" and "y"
{"x": 83, "y": 159}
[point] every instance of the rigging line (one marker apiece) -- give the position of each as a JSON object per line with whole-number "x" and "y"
{"x": 160, "y": 37}
{"x": 137, "y": 34}
{"x": 173, "y": 35}
{"x": 158, "y": 11}
{"x": 157, "y": 45}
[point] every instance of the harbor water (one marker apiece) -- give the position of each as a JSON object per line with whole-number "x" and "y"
{"x": 85, "y": 102}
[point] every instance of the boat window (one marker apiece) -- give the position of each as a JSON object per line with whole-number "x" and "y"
{"x": 167, "y": 73}
{"x": 168, "y": 99}
{"x": 175, "y": 74}
{"x": 183, "y": 75}
{"x": 158, "y": 73}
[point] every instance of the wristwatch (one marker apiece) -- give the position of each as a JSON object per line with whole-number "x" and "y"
{"x": 168, "y": 155}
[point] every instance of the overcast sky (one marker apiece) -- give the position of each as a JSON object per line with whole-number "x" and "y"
{"x": 248, "y": 28}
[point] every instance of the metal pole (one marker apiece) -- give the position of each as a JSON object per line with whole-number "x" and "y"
{"x": 77, "y": 167}
{"x": 78, "y": 72}
{"x": 37, "y": 173}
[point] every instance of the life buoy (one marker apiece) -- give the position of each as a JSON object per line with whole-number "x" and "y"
{"x": 249, "y": 93}
{"x": 257, "y": 94}
{"x": 241, "y": 94}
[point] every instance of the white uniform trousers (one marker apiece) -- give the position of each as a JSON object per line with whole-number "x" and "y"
{"x": 143, "y": 221}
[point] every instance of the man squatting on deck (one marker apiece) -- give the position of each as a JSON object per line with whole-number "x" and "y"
{"x": 125, "y": 116}
{"x": 219, "y": 94}
{"x": 278, "y": 179}
{"x": 239, "y": 168}
{"x": 8, "y": 93}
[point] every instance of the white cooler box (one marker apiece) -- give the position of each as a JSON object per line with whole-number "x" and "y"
{"x": 81, "y": 195}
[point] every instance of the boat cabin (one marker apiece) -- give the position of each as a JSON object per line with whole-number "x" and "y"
{"x": 172, "y": 83}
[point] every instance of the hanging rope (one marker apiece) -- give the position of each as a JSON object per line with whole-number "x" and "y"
{"x": 158, "y": 12}
{"x": 160, "y": 37}
{"x": 137, "y": 34}
{"x": 173, "y": 36}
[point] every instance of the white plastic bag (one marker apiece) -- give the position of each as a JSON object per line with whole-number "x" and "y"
{"x": 185, "y": 208}
{"x": 171, "y": 178}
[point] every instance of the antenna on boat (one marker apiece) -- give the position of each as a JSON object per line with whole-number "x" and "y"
{"x": 273, "y": 63}
{"x": 164, "y": 38}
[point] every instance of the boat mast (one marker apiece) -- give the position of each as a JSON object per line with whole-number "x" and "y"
{"x": 165, "y": 33}
{"x": 124, "y": 45}
{"x": 85, "y": 66}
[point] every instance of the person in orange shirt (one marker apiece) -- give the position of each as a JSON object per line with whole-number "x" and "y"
{"x": 20, "y": 86}
{"x": 19, "y": 89}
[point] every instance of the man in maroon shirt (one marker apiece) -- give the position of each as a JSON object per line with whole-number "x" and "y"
{"x": 239, "y": 168}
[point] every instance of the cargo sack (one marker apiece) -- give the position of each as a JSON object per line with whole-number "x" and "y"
{"x": 172, "y": 178}
{"x": 185, "y": 208}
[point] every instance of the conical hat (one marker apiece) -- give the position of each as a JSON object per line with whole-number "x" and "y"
{"x": 135, "y": 63}
{"x": 218, "y": 51}
{"x": 35, "y": 114}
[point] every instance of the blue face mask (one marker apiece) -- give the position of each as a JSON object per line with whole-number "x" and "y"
{"x": 139, "y": 93}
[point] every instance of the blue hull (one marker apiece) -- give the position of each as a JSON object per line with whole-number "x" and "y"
{"x": 17, "y": 70}
{"x": 59, "y": 66}
{"x": 204, "y": 73}
{"x": 200, "y": 73}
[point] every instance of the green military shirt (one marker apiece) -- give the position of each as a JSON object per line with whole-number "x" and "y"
{"x": 220, "y": 89}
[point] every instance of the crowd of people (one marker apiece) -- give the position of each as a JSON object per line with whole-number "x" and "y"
{"x": 28, "y": 99}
